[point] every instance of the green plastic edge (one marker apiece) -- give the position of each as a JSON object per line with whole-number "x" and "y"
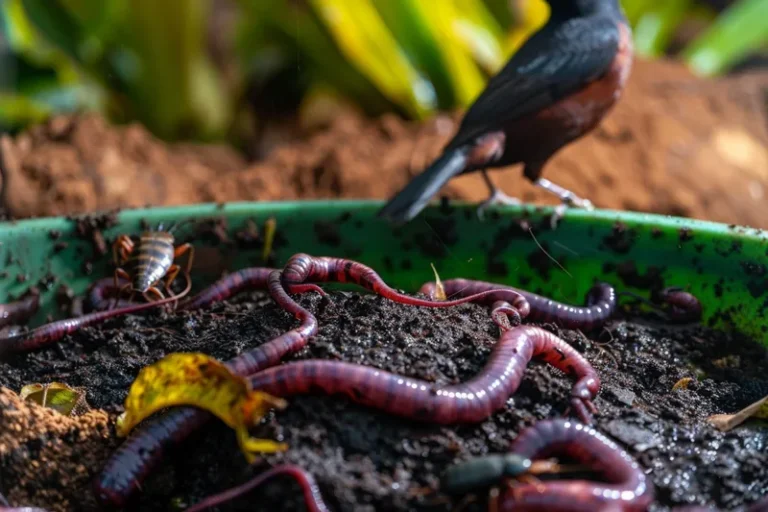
{"x": 722, "y": 265}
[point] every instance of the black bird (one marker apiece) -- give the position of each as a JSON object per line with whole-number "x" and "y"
{"x": 556, "y": 88}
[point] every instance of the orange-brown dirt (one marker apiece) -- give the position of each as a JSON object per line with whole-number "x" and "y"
{"x": 675, "y": 144}
{"x": 37, "y": 444}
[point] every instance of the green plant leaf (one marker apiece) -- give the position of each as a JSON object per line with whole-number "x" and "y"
{"x": 47, "y": 35}
{"x": 418, "y": 41}
{"x": 17, "y": 110}
{"x": 656, "y": 26}
{"x": 25, "y": 40}
{"x": 273, "y": 34}
{"x": 474, "y": 25}
{"x": 172, "y": 84}
{"x": 634, "y": 9}
{"x": 502, "y": 12}
{"x": 739, "y": 30}
{"x": 363, "y": 37}
{"x": 433, "y": 48}
{"x": 56, "y": 24}
{"x": 57, "y": 396}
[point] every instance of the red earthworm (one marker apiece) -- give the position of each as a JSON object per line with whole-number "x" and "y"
{"x": 303, "y": 267}
{"x": 270, "y": 353}
{"x": 601, "y": 302}
{"x": 628, "y": 490}
{"x": 130, "y": 465}
{"x": 22, "y": 509}
{"x": 136, "y": 458}
{"x": 19, "y": 310}
{"x": 760, "y": 505}
{"x": 248, "y": 278}
{"x": 254, "y": 278}
{"x": 312, "y": 497}
{"x": 505, "y": 315}
{"x": 101, "y": 294}
{"x": 232, "y": 284}
{"x": 6, "y": 507}
{"x": 468, "y": 402}
{"x": 44, "y": 335}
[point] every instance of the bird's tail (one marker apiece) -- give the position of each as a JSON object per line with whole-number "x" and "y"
{"x": 407, "y": 203}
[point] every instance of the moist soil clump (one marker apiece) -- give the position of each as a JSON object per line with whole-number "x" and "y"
{"x": 365, "y": 460}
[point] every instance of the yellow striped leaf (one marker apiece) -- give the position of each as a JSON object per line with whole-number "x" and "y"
{"x": 365, "y": 40}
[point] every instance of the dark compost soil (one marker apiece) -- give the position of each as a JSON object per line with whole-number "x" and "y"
{"x": 365, "y": 460}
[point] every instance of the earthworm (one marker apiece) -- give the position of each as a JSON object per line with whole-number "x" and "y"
{"x": 312, "y": 497}
{"x": 248, "y": 278}
{"x": 19, "y": 310}
{"x": 22, "y": 509}
{"x": 100, "y": 294}
{"x": 302, "y": 267}
{"x": 130, "y": 465}
{"x": 42, "y": 336}
{"x": 6, "y": 507}
{"x": 628, "y": 490}
{"x": 232, "y": 284}
{"x": 601, "y": 302}
{"x": 468, "y": 402}
{"x": 135, "y": 459}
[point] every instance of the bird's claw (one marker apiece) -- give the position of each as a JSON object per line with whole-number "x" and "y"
{"x": 575, "y": 201}
{"x": 498, "y": 197}
{"x": 557, "y": 215}
{"x": 570, "y": 201}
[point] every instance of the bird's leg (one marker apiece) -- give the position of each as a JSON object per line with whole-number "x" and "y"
{"x": 496, "y": 196}
{"x": 532, "y": 171}
{"x": 567, "y": 197}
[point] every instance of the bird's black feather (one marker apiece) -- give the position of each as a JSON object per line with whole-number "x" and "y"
{"x": 557, "y": 61}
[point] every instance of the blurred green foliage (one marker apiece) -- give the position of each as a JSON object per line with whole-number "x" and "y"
{"x": 151, "y": 61}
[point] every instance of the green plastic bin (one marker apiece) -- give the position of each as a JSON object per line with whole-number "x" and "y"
{"x": 725, "y": 266}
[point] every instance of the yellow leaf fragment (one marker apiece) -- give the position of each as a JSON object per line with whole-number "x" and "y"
{"x": 530, "y": 16}
{"x": 199, "y": 380}
{"x": 440, "y": 289}
{"x": 476, "y": 28}
{"x": 270, "y": 227}
{"x": 466, "y": 44}
{"x": 57, "y": 396}
{"x": 726, "y": 422}
{"x": 682, "y": 383}
{"x": 366, "y": 41}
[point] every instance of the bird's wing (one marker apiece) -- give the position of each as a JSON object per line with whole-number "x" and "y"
{"x": 557, "y": 61}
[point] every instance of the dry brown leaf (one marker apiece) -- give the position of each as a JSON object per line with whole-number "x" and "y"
{"x": 726, "y": 422}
